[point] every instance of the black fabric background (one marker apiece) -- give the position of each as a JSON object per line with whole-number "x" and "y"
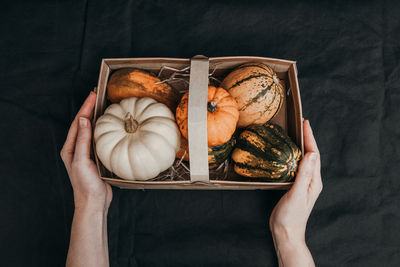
{"x": 348, "y": 58}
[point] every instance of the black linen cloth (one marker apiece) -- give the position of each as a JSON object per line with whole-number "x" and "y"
{"x": 348, "y": 56}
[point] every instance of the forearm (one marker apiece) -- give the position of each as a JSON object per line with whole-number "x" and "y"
{"x": 88, "y": 244}
{"x": 292, "y": 253}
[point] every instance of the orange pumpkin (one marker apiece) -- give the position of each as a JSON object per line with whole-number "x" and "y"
{"x": 222, "y": 116}
{"x": 128, "y": 82}
{"x": 183, "y": 150}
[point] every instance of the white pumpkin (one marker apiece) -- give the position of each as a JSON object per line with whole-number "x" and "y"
{"x": 137, "y": 138}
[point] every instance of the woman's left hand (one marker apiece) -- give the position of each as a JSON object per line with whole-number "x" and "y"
{"x": 89, "y": 190}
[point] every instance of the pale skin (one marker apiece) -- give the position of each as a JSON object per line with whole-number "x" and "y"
{"x": 92, "y": 197}
{"x": 289, "y": 218}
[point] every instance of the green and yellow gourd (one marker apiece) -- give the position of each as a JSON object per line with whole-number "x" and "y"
{"x": 216, "y": 154}
{"x": 266, "y": 151}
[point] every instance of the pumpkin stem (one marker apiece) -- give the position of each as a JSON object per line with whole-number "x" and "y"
{"x": 212, "y": 106}
{"x": 292, "y": 165}
{"x": 131, "y": 124}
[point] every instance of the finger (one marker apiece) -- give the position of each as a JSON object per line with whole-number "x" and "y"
{"x": 316, "y": 182}
{"x": 85, "y": 111}
{"x": 310, "y": 144}
{"x": 305, "y": 172}
{"x": 316, "y": 185}
{"x": 82, "y": 147}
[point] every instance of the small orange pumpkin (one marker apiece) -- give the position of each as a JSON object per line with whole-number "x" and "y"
{"x": 222, "y": 116}
{"x": 128, "y": 82}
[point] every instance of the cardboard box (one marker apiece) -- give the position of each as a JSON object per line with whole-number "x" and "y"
{"x": 289, "y": 117}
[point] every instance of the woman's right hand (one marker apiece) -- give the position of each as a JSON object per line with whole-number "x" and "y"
{"x": 289, "y": 218}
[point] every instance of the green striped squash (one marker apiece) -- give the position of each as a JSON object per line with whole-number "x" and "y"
{"x": 266, "y": 151}
{"x": 257, "y": 90}
{"x": 216, "y": 154}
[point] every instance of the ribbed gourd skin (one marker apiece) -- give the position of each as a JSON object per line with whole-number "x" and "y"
{"x": 258, "y": 92}
{"x": 266, "y": 151}
{"x": 218, "y": 154}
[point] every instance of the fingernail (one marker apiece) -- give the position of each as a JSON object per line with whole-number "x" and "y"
{"x": 82, "y": 122}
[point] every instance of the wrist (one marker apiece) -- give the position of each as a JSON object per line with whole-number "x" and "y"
{"x": 91, "y": 211}
{"x": 90, "y": 204}
{"x": 287, "y": 244}
{"x": 293, "y": 253}
{"x": 287, "y": 235}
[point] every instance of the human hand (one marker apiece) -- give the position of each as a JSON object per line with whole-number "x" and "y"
{"x": 89, "y": 190}
{"x": 289, "y": 218}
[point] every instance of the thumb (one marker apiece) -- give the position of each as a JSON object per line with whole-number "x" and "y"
{"x": 82, "y": 146}
{"x": 305, "y": 171}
